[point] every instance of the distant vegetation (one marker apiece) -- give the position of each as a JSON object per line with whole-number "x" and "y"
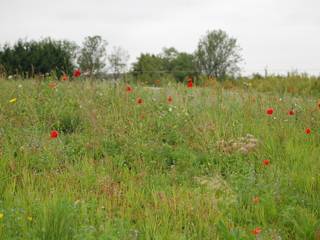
{"x": 217, "y": 56}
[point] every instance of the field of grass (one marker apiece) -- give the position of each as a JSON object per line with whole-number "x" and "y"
{"x": 210, "y": 164}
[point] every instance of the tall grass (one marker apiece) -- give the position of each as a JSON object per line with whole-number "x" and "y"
{"x": 122, "y": 170}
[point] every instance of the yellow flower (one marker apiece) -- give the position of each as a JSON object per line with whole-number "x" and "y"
{"x": 13, "y": 100}
{"x": 29, "y": 218}
{"x": 1, "y": 215}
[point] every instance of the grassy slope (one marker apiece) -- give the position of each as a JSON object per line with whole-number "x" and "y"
{"x": 120, "y": 170}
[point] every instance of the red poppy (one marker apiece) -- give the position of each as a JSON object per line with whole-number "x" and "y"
{"x": 77, "y": 73}
{"x": 139, "y": 101}
{"x": 65, "y": 77}
{"x": 266, "y": 162}
{"x": 129, "y": 89}
{"x": 54, "y": 134}
{"x": 291, "y": 112}
{"x": 190, "y": 83}
{"x": 170, "y": 99}
{"x": 269, "y": 111}
{"x": 256, "y": 200}
{"x": 308, "y": 131}
{"x": 256, "y": 231}
{"x": 52, "y": 85}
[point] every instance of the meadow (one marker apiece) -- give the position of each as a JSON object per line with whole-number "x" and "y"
{"x": 132, "y": 162}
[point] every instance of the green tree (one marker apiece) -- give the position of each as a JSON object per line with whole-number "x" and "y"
{"x": 218, "y": 55}
{"x": 148, "y": 68}
{"x": 27, "y": 58}
{"x": 92, "y": 58}
{"x": 179, "y": 64}
{"x": 183, "y": 66}
{"x": 169, "y": 55}
{"x": 118, "y": 60}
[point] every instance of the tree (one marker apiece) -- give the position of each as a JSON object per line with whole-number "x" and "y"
{"x": 218, "y": 55}
{"x": 183, "y": 66}
{"x": 169, "y": 55}
{"x": 118, "y": 60}
{"x": 179, "y": 64}
{"x": 27, "y": 58}
{"x": 148, "y": 68}
{"x": 93, "y": 55}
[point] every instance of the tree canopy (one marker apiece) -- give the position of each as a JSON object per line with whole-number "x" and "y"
{"x": 218, "y": 55}
{"x": 28, "y": 58}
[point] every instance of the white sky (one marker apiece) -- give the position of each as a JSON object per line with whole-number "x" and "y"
{"x": 282, "y": 35}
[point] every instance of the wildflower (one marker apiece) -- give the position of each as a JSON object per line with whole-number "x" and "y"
{"x": 291, "y": 112}
{"x": 129, "y": 89}
{"x": 256, "y": 200}
{"x": 139, "y": 101}
{"x": 29, "y": 218}
{"x": 64, "y": 77}
{"x": 190, "y": 83}
{"x": 308, "y": 131}
{"x": 170, "y": 99}
{"x": 76, "y": 73}
{"x": 13, "y": 100}
{"x": 269, "y": 111}
{"x": 256, "y": 231}
{"x": 54, "y": 134}
{"x": 266, "y": 162}
{"x": 52, "y": 85}
{"x": 1, "y": 215}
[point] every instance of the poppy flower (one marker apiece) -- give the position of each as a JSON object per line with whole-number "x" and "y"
{"x": 190, "y": 83}
{"x": 170, "y": 99}
{"x": 266, "y": 162}
{"x": 52, "y": 85}
{"x": 65, "y": 77}
{"x": 256, "y": 231}
{"x": 54, "y": 134}
{"x": 139, "y": 100}
{"x": 256, "y": 200}
{"x": 269, "y": 111}
{"x": 291, "y": 112}
{"x": 76, "y": 73}
{"x": 129, "y": 89}
{"x": 308, "y": 131}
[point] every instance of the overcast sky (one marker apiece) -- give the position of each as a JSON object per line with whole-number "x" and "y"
{"x": 282, "y": 35}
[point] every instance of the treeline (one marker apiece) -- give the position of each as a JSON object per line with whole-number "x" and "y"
{"x": 217, "y": 56}
{"x": 29, "y": 58}
{"x": 48, "y": 56}
{"x": 170, "y": 63}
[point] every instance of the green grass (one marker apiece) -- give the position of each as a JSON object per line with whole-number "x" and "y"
{"x": 120, "y": 170}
